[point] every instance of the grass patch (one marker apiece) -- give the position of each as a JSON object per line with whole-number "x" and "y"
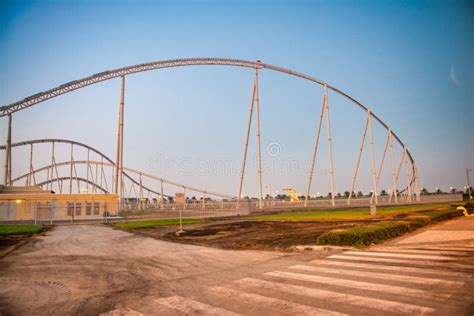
{"x": 365, "y": 235}
{"x": 159, "y": 222}
{"x": 348, "y": 214}
{"x": 20, "y": 229}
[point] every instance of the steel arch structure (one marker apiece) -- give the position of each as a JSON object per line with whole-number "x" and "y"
{"x": 107, "y": 75}
{"x": 8, "y": 110}
{"x": 75, "y": 178}
{"x": 108, "y": 163}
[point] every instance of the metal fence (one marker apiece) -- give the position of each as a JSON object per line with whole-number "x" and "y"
{"x": 54, "y": 212}
{"x": 270, "y": 204}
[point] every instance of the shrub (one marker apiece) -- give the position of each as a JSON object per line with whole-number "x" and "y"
{"x": 438, "y": 216}
{"x": 365, "y": 235}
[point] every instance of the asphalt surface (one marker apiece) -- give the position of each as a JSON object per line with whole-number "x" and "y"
{"x": 94, "y": 269}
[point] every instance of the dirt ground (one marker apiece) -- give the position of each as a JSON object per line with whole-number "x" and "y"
{"x": 10, "y": 240}
{"x": 251, "y": 235}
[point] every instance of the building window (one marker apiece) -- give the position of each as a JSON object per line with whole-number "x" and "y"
{"x": 96, "y": 208}
{"x": 88, "y": 208}
{"x": 78, "y": 209}
{"x": 70, "y": 209}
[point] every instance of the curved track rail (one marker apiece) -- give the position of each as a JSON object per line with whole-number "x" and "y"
{"x": 107, "y": 75}
{"x": 75, "y": 179}
{"x": 109, "y": 163}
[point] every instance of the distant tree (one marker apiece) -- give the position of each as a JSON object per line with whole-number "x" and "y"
{"x": 329, "y": 195}
{"x": 424, "y": 191}
{"x": 359, "y": 194}
{"x": 383, "y": 193}
{"x": 346, "y": 193}
{"x": 452, "y": 190}
{"x": 439, "y": 191}
{"x": 338, "y": 195}
{"x": 193, "y": 198}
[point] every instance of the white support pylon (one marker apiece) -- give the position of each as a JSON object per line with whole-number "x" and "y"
{"x": 361, "y": 148}
{"x": 259, "y": 149}
{"x": 372, "y": 158}
{"x": 119, "y": 162}
{"x": 315, "y": 149}
{"x": 246, "y": 144}
{"x": 405, "y": 157}
{"x": 392, "y": 167}
{"x": 331, "y": 165}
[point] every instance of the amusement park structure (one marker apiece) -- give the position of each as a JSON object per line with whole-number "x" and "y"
{"x": 105, "y": 175}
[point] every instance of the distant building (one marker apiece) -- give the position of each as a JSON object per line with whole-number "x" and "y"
{"x": 30, "y": 202}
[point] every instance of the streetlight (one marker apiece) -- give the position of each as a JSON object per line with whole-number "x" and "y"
{"x": 468, "y": 185}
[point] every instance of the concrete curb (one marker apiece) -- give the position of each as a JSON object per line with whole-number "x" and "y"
{"x": 321, "y": 248}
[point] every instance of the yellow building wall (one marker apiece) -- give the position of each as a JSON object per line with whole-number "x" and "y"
{"x": 22, "y": 206}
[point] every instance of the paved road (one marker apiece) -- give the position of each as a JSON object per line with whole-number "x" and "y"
{"x": 90, "y": 270}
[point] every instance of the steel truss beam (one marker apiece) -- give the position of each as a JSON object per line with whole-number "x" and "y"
{"x": 138, "y": 172}
{"x": 60, "y": 179}
{"x": 173, "y": 63}
{"x": 122, "y": 72}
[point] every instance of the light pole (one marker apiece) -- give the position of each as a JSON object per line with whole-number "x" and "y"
{"x": 468, "y": 185}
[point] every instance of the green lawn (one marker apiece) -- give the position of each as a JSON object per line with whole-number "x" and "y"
{"x": 348, "y": 214}
{"x": 20, "y": 229}
{"x": 159, "y": 222}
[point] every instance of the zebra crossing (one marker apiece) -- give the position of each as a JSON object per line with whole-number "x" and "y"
{"x": 383, "y": 281}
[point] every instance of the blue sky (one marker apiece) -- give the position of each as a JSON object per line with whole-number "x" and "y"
{"x": 411, "y": 62}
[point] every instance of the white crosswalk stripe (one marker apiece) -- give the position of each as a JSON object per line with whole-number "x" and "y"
{"x": 334, "y": 285}
{"x": 445, "y": 252}
{"x": 448, "y": 248}
{"x": 283, "y": 306}
{"x": 191, "y": 307}
{"x": 397, "y": 255}
{"x": 337, "y": 297}
{"x": 403, "y": 269}
{"x": 369, "y": 286}
{"x": 402, "y": 261}
{"x": 383, "y": 276}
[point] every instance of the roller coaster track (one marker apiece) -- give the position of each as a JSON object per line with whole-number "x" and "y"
{"x": 109, "y": 163}
{"x": 74, "y": 178}
{"x": 256, "y": 65}
{"x": 107, "y": 75}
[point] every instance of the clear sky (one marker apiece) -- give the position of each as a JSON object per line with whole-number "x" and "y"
{"x": 411, "y": 62}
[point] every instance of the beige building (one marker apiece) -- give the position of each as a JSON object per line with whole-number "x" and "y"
{"x": 30, "y": 203}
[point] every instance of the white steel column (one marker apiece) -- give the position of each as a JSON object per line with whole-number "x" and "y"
{"x": 361, "y": 148}
{"x": 405, "y": 157}
{"x": 161, "y": 196}
{"x": 87, "y": 167}
{"x": 392, "y": 166}
{"x": 8, "y": 153}
{"x": 96, "y": 178}
{"x": 257, "y": 109}
{"x": 70, "y": 170}
{"x": 119, "y": 164}
{"x": 246, "y": 144}
{"x": 382, "y": 159}
{"x": 417, "y": 183}
{"x": 31, "y": 165}
{"x": 315, "y": 149}
{"x": 372, "y": 158}
{"x": 328, "y": 125}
